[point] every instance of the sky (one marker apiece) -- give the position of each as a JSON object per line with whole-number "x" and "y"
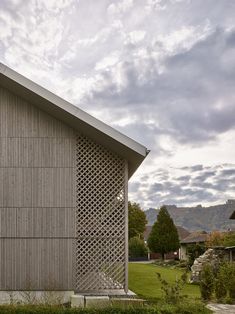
{"x": 160, "y": 71}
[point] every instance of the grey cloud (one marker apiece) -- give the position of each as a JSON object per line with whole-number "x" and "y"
{"x": 212, "y": 185}
{"x": 183, "y": 100}
{"x": 182, "y": 92}
{"x": 228, "y": 172}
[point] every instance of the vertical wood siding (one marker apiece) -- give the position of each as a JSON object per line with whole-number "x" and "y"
{"x": 37, "y": 197}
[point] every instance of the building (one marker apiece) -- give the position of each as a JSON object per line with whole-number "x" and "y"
{"x": 233, "y": 215}
{"x": 182, "y": 232}
{"x": 63, "y": 193}
{"x": 196, "y": 237}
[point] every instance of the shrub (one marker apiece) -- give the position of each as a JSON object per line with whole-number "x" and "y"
{"x": 194, "y": 251}
{"x": 231, "y": 281}
{"x": 207, "y": 282}
{"x": 227, "y": 275}
{"x": 183, "y": 308}
{"x": 137, "y": 248}
{"x": 172, "y": 292}
{"x": 61, "y": 310}
{"x": 220, "y": 289}
{"x": 229, "y": 239}
{"x": 215, "y": 238}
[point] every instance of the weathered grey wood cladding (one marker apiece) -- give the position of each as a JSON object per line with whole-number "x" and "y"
{"x": 21, "y": 119}
{"x": 36, "y": 264}
{"x": 36, "y": 152}
{"x": 36, "y": 187}
{"x": 37, "y": 222}
{"x": 37, "y": 197}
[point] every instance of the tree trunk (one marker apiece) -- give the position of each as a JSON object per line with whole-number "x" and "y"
{"x": 163, "y": 256}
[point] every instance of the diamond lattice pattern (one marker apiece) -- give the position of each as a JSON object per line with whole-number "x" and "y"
{"x": 100, "y": 218}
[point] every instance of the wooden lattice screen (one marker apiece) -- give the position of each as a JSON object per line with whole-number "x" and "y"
{"x": 100, "y": 262}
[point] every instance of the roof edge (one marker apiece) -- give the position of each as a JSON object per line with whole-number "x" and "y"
{"x": 75, "y": 117}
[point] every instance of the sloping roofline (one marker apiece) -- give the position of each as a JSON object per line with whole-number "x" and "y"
{"x": 78, "y": 119}
{"x": 232, "y": 215}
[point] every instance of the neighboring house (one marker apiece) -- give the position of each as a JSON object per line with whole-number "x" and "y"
{"x": 196, "y": 237}
{"x": 233, "y": 215}
{"x": 182, "y": 232}
{"x": 63, "y": 193}
{"x": 231, "y": 250}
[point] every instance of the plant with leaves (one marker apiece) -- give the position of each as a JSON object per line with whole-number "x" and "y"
{"x": 221, "y": 283}
{"x": 163, "y": 237}
{"x": 229, "y": 239}
{"x": 137, "y": 248}
{"x": 207, "y": 280}
{"x": 136, "y": 220}
{"x": 215, "y": 238}
{"x": 172, "y": 292}
{"x": 229, "y": 271}
{"x": 194, "y": 250}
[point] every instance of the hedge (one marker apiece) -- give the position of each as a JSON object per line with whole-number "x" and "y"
{"x": 184, "y": 308}
{"x": 60, "y": 310}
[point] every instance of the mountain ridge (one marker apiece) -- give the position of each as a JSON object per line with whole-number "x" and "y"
{"x": 195, "y": 218}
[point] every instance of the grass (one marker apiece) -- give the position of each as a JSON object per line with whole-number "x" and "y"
{"x": 144, "y": 282}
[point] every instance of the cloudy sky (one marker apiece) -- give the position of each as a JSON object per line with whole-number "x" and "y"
{"x": 160, "y": 71}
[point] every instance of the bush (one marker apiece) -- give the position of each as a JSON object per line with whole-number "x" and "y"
{"x": 231, "y": 280}
{"x": 194, "y": 251}
{"x": 172, "y": 292}
{"x": 183, "y": 308}
{"x": 220, "y": 289}
{"x": 207, "y": 282}
{"x": 137, "y": 248}
{"x": 226, "y": 275}
{"x": 229, "y": 239}
{"x": 62, "y": 310}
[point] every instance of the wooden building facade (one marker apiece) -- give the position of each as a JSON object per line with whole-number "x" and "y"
{"x": 63, "y": 193}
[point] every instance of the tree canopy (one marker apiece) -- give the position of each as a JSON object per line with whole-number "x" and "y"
{"x": 229, "y": 239}
{"x": 137, "y": 248}
{"x": 136, "y": 220}
{"x": 215, "y": 238}
{"x": 163, "y": 237}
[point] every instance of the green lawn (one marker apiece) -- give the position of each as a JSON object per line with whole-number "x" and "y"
{"x": 144, "y": 282}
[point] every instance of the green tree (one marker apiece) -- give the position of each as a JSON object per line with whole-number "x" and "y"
{"x": 136, "y": 220}
{"x": 137, "y": 247}
{"x": 229, "y": 239}
{"x": 194, "y": 250}
{"x": 163, "y": 237}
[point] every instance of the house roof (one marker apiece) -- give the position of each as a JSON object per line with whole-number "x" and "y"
{"x": 233, "y": 215}
{"x": 195, "y": 237}
{"x": 182, "y": 232}
{"x": 78, "y": 119}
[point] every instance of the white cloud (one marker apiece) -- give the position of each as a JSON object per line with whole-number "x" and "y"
{"x": 135, "y": 37}
{"x": 160, "y": 71}
{"x": 119, "y": 7}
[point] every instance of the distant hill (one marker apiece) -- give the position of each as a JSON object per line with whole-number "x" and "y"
{"x": 198, "y": 218}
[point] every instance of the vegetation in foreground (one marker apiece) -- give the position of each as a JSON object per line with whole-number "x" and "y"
{"x": 218, "y": 284}
{"x": 193, "y": 308}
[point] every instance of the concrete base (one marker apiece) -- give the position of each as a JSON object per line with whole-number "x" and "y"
{"x": 127, "y": 302}
{"x": 103, "y": 301}
{"x": 77, "y": 300}
{"x": 35, "y": 297}
{"x": 111, "y": 293}
{"x": 97, "y": 301}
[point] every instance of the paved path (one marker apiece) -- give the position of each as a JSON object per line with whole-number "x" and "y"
{"x": 222, "y": 308}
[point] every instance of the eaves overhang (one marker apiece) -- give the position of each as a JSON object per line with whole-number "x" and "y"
{"x": 76, "y": 118}
{"x": 232, "y": 215}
